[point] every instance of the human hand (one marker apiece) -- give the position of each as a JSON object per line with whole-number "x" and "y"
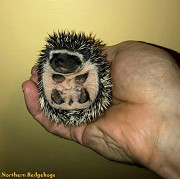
{"x": 144, "y": 116}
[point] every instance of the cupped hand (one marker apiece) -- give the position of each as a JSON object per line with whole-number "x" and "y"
{"x": 143, "y": 123}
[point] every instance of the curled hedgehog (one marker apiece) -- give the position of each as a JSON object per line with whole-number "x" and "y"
{"x": 73, "y": 78}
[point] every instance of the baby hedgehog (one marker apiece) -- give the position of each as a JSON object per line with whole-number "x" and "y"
{"x": 73, "y": 78}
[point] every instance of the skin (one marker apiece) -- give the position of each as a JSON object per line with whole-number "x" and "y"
{"x": 143, "y": 124}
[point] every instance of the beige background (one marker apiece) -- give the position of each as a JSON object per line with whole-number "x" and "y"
{"x": 24, "y": 144}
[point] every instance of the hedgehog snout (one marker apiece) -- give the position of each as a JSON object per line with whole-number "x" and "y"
{"x": 65, "y": 63}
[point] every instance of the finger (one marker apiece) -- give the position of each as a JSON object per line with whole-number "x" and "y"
{"x": 31, "y": 97}
{"x": 34, "y": 70}
{"x": 32, "y": 102}
{"x": 34, "y": 78}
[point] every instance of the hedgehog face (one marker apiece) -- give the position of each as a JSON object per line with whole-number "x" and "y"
{"x": 71, "y": 83}
{"x": 73, "y": 78}
{"x": 65, "y": 62}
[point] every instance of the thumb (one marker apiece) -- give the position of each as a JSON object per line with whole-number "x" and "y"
{"x": 31, "y": 97}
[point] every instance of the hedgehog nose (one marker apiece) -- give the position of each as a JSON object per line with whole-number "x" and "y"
{"x": 59, "y": 65}
{"x": 59, "y": 62}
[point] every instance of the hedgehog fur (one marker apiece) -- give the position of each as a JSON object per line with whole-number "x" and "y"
{"x": 74, "y": 80}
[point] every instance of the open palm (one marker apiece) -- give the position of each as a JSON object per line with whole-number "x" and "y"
{"x": 133, "y": 128}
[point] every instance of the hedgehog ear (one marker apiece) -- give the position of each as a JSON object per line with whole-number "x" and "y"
{"x": 86, "y": 54}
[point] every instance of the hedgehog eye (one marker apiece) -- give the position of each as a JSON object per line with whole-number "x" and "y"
{"x": 58, "y": 78}
{"x": 81, "y": 78}
{"x": 86, "y": 54}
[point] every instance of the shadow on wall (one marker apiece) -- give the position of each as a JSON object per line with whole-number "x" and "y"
{"x": 27, "y": 147}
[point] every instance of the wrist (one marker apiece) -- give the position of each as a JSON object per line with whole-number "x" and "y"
{"x": 165, "y": 155}
{"x": 164, "y": 164}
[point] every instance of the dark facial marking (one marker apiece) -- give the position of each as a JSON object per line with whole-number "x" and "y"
{"x": 80, "y": 79}
{"x": 58, "y": 78}
{"x": 59, "y": 62}
{"x": 65, "y": 63}
{"x": 84, "y": 97}
{"x": 86, "y": 54}
{"x": 56, "y": 98}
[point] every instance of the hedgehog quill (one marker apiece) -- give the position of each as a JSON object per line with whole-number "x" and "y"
{"x": 74, "y": 80}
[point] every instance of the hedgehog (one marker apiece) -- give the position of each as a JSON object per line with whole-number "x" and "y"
{"x": 74, "y": 79}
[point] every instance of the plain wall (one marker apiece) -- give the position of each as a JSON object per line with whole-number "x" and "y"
{"x": 24, "y": 24}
